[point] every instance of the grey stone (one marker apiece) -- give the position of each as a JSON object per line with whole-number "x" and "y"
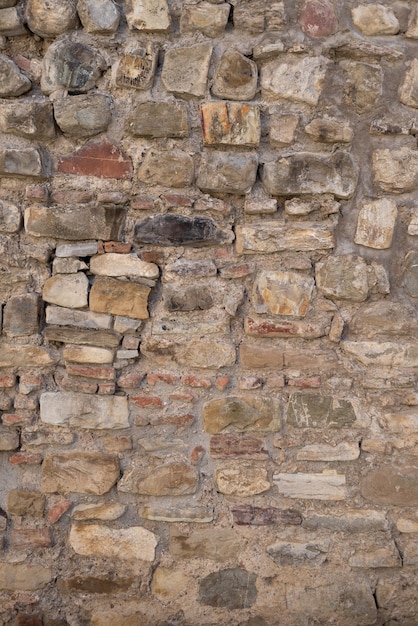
{"x": 171, "y": 168}
{"x": 410, "y": 274}
{"x": 256, "y": 17}
{"x": 306, "y": 173}
{"x": 222, "y": 172}
{"x": 83, "y": 115}
{"x": 98, "y": 16}
{"x": 136, "y": 68}
{"x": 159, "y": 119}
{"x": 185, "y": 70}
{"x": 208, "y": 18}
{"x": 296, "y": 554}
{"x": 12, "y": 81}
{"x": 412, "y": 31}
{"x": 83, "y": 319}
{"x": 71, "y": 66}
{"x": 363, "y": 84}
{"x": 23, "y": 162}
{"x": 148, "y": 15}
{"x": 315, "y": 411}
{"x": 396, "y": 170}
{"x": 28, "y": 118}
{"x": 384, "y": 319}
{"x": 229, "y": 588}
{"x": 11, "y": 23}
{"x": 75, "y": 223}
{"x": 352, "y": 521}
{"x": 294, "y": 79}
{"x": 312, "y": 486}
{"x": 22, "y": 315}
{"x": 52, "y": 18}
{"x": 235, "y": 77}
{"x": 82, "y": 248}
{"x": 177, "y": 230}
{"x": 10, "y": 217}
{"x": 343, "y": 278}
{"x": 4, "y": 4}
{"x": 68, "y": 290}
{"x": 189, "y": 299}
{"x": 78, "y": 410}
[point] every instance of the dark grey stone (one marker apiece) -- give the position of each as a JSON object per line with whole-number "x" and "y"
{"x": 178, "y": 230}
{"x": 230, "y": 588}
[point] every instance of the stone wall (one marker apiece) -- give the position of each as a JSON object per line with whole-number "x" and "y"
{"x": 209, "y": 279}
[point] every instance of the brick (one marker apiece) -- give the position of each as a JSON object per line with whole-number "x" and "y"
{"x": 229, "y": 123}
{"x": 7, "y": 381}
{"x": 168, "y": 379}
{"x": 57, "y": 511}
{"x": 91, "y": 371}
{"x": 130, "y": 381}
{"x": 148, "y": 402}
{"x": 195, "y": 381}
{"x": 102, "y": 159}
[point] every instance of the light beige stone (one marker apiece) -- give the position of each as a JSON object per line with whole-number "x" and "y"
{"x": 282, "y": 293}
{"x": 118, "y": 297}
{"x": 407, "y": 524}
{"x": 80, "y": 410}
{"x": 83, "y": 319}
{"x": 148, "y": 15}
{"x": 376, "y": 223}
{"x": 24, "y": 576}
{"x": 206, "y": 17}
{"x": 49, "y": 19}
{"x": 126, "y": 544}
{"x": 396, "y": 170}
{"x": 375, "y": 19}
{"x": 345, "y": 451}
{"x": 172, "y": 479}
{"x": 91, "y": 473}
{"x": 412, "y": 31}
{"x": 329, "y": 130}
{"x": 384, "y": 353}
{"x": 136, "y": 69}
{"x": 171, "y": 168}
{"x": 112, "y": 264}
{"x": 10, "y": 217}
{"x": 102, "y": 512}
{"x": 312, "y": 486}
{"x": 68, "y": 290}
{"x": 185, "y": 70}
{"x": 343, "y": 278}
{"x": 12, "y": 355}
{"x": 241, "y": 480}
{"x": 387, "y": 556}
{"x": 206, "y": 353}
{"x": 282, "y": 129}
{"x": 272, "y": 327}
{"x": 351, "y": 521}
{"x": 11, "y": 23}
{"x": 241, "y": 413}
{"x": 195, "y": 515}
{"x": 69, "y": 265}
{"x": 294, "y": 79}
{"x": 408, "y": 90}
{"x": 294, "y": 554}
{"x": 87, "y": 354}
{"x": 216, "y": 544}
{"x": 168, "y": 584}
{"x": 268, "y": 237}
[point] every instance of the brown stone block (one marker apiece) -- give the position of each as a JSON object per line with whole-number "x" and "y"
{"x": 110, "y": 295}
{"x": 224, "y": 446}
{"x": 230, "y": 123}
{"x": 102, "y": 159}
{"x": 247, "y": 514}
{"x": 30, "y": 538}
{"x": 95, "y": 584}
{"x": 79, "y": 472}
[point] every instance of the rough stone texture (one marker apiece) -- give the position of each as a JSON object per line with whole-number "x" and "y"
{"x": 208, "y": 18}
{"x": 30, "y": 119}
{"x": 322, "y": 452}
{"x": 11, "y": 23}
{"x": 241, "y": 413}
{"x": 329, "y": 130}
{"x": 68, "y": 290}
{"x": 272, "y": 237}
{"x": 312, "y": 486}
{"x": 137, "y": 68}
{"x": 98, "y": 17}
{"x": 97, "y": 158}
{"x": 227, "y": 173}
{"x": 167, "y": 584}
{"x": 21, "y": 315}
{"x": 159, "y": 119}
{"x": 375, "y": 19}
{"x": 82, "y": 319}
{"x": 74, "y": 223}
{"x": 84, "y": 411}
{"x": 230, "y": 123}
{"x": 173, "y": 479}
{"x": 391, "y": 484}
{"x": 343, "y": 278}
{"x": 24, "y": 577}
{"x": 112, "y": 264}
{"x": 79, "y": 472}
{"x": 395, "y": 171}
{"x": 218, "y": 545}
{"x": 363, "y": 84}
{"x": 23, "y": 162}
{"x": 241, "y": 480}
{"x": 176, "y": 230}
{"x": 282, "y": 293}
{"x": 13, "y": 82}
{"x": 185, "y": 70}
{"x": 235, "y": 77}
{"x": 297, "y": 80}
{"x": 52, "y": 18}
{"x": 296, "y": 554}
{"x": 376, "y": 223}
{"x": 118, "y": 297}
{"x": 318, "y": 18}
{"x": 83, "y": 115}
{"x": 127, "y": 544}
{"x": 229, "y": 588}
{"x": 313, "y": 411}
{"x": 148, "y": 15}
{"x": 172, "y": 168}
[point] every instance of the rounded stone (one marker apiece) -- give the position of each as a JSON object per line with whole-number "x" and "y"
{"x": 235, "y": 77}
{"x": 49, "y": 18}
{"x": 318, "y": 18}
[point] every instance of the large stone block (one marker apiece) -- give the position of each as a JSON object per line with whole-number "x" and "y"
{"x": 230, "y": 123}
{"x": 75, "y": 223}
{"x": 282, "y": 293}
{"x": 79, "y": 410}
{"x": 23, "y": 162}
{"x": 52, "y": 18}
{"x": 136, "y": 69}
{"x": 242, "y": 480}
{"x": 148, "y": 15}
{"x": 294, "y": 79}
{"x": 229, "y": 588}
{"x": 171, "y": 168}
{"x": 383, "y": 353}
{"x": 216, "y": 544}
{"x": 396, "y": 170}
{"x": 22, "y": 315}
{"x": 82, "y": 319}
{"x": 254, "y": 356}
{"x": 28, "y": 118}
{"x": 384, "y": 318}
{"x": 171, "y": 479}
{"x": 185, "y": 70}
{"x": 177, "y": 230}
{"x": 260, "y": 15}
{"x": 91, "y": 473}
{"x": 343, "y": 278}
{"x": 83, "y": 115}
{"x": 24, "y": 577}
{"x": 98, "y": 16}
{"x": 268, "y": 237}
{"x": 221, "y": 172}
{"x": 119, "y": 297}
{"x": 210, "y": 19}
{"x": 306, "y": 173}
{"x": 12, "y": 355}
{"x": 345, "y": 451}
{"x": 67, "y": 290}
{"x": 376, "y": 223}
{"x": 235, "y": 77}
{"x": 312, "y": 486}
{"x": 392, "y": 484}
{"x": 241, "y": 413}
{"x": 127, "y": 544}
{"x": 12, "y": 81}
{"x": 159, "y": 119}
{"x": 314, "y": 411}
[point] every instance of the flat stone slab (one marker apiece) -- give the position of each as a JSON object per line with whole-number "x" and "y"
{"x": 126, "y": 544}
{"x": 75, "y": 223}
{"x": 92, "y": 473}
{"x": 295, "y": 79}
{"x": 119, "y": 297}
{"x": 178, "y": 230}
{"x": 312, "y": 486}
{"x": 315, "y": 411}
{"x": 81, "y": 410}
{"x": 269, "y": 237}
{"x": 241, "y": 413}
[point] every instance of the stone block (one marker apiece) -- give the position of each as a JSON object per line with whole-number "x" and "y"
{"x": 248, "y": 515}
{"x": 257, "y": 16}
{"x": 68, "y": 266}
{"x": 329, "y": 130}
{"x": 172, "y": 479}
{"x": 230, "y": 123}
{"x": 171, "y": 168}
{"x": 61, "y": 316}
{"x": 194, "y": 515}
{"x": 255, "y": 356}
{"x": 269, "y": 327}
{"x": 306, "y": 173}
{"x": 294, "y": 79}
{"x": 363, "y": 84}
{"x": 97, "y": 158}
{"x": 119, "y": 297}
{"x": 113, "y": 264}
{"x": 206, "y": 353}
{"x": 93, "y": 585}
{"x": 9, "y": 439}
{"x": 78, "y": 410}
{"x": 318, "y": 18}
{"x": 312, "y": 486}
{"x": 383, "y": 353}
{"x": 345, "y": 451}
{"x": 75, "y": 223}
{"x": 343, "y": 278}
{"x": 148, "y": 15}
{"x": 91, "y": 473}
{"x": 315, "y": 411}
{"x": 83, "y": 115}
{"x": 159, "y": 119}
{"x": 237, "y": 479}
{"x": 10, "y": 217}
{"x": 352, "y": 521}
{"x": 216, "y": 544}
{"x": 385, "y": 319}
{"x": 81, "y": 248}
{"x": 67, "y": 290}
{"x": 12, "y": 81}
{"x": 136, "y": 69}
{"x": 22, "y": 502}
{"x": 412, "y": 31}
{"x": 23, "y": 577}
{"x": 69, "y": 65}
{"x": 229, "y": 588}
{"x": 297, "y": 554}
{"x": 239, "y": 446}
{"x": 221, "y": 172}
{"x": 98, "y": 16}
{"x": 189, "y": 299}
{"x": 210, "y": 19}
{"x": 241, "y": 413}
{"x": 387, "y": 556}
{"x": 268, "y": 237}
{"x": 13, "y": 355}
{"x": 11, "y": 23}
{"x": 282, "y": 129}
{"x": 410, "y": 274}
{"x": 99, "y": 511}
{"x": 28, "y": 118}
{"x": 392, "y": 484}
{"x": 282, "y": 293}
{"x": 375, "y": 20}
{"x": 51, "y": 19}
{"x": 168, "y": 584}
{"x": 409, "y": 87}
{"x": 126, "y": 544}
{"x": 30, "y": 538}
{"x": 23, "y": 162}
{"x": 235, "y": 77}
{"x": 177, "y": 230}
{"x": 185, "y": 70}
{"x": 376, "y": 224}
{"x": 22, "y": 315}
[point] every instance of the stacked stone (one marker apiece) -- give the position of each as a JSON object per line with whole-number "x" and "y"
{"x": 208, "y": 354}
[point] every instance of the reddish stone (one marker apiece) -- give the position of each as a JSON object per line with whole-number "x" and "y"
{"x": 222, "y": 382}
{"x": 130, "y": 381}
{"x": 148, "y": 402}
{"x": 7, "y": 381}
{"x": 117, "y": 247}
{"x": 38, "y": 193}
{"x": 17, "y": 419}
{"x": 91, "y": 371}
{"x": 28, "y": 620}
{"x": 169, "y": 379}
{"x": 29, "y": 458}
{"x": 102, "y": 159}
{"x": 318, "y": 18}
{"x": 106, "y": 389}
{"x": 142, "y": 203}
{"x": 238, "y": 270}
{"x": 22, "y": 401}
{"x": 222, "y": 446}
{"x": 304, "y": 382}
{"x": 152, "y": 256}
{"x": 31, "y": 381}
{"x": 275, "y": 382}
{"x": 195, "y": 381}
{"x": 175, "y": 420}
{"x": 100, "y": 247}
{"x": 130, "y": 342}
{"x": 182, "y": 397}
{"x": 258, "y": 516}
{"x": 22, "y": 62}
{"x": 72, "y": 384}
{"x": 71, "y": 196}
{"x": 177, "y": 200}
{"x": 112, "y": 197}
{"x": 57, "y": 511}
{"x": 30, "y": 538}
{"x": 197, "y": 454}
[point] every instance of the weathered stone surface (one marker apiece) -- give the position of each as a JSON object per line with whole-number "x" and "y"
{"x": 294, "y": 554}
{"x": 171, "y": 479}
{"x": 392, "y": 485}
{"x": 159, "y": 119}
{"x": 9, "y": 439}
{"x": 12, "y": 81}
{"x": 11, "y": 23}
{"x": 221, "y": 172}
{"x": 23, "y": 162}
{"x": 67, "y": 290}
{"x": 271, "y": 237}
{"x": 10, "y": 217}
{"x": 375, "y": 19}
{"x": 246, "y": 514}
{"x": 137, "y": 68}
{"x": 242, "y": 480}
{"x": 387, "y": 556}
{"x": 325, "y": 204}
{"x": 329, "y": 130}
{"x": 352, "y": 521}
{"x": 148, "y": 15}
{"x": 22, "y": 315}
{"x": 185, "y": 70}
{"x": 345, "y": 451}
{"x": 196, "y": 515}
{"x": 408, "y": 92}
{"x": 269, "y": 327}
{"x": 241, "y": 413}
{"x": 189, "y": 269}
{"x": 235, "y": 77}
{"x": 239, "y": 446}
{"x": 83, "y": 115}
{"x": 208, "y": 18}
{"x": 412, "y": 31}
{"x": 119, "y": 297}
{"x": 282, "y": 293}
{"x": 80, "y": 410}
{"x": 30, "y": 538}
{"x": 177, "y": 230}
{"x": 306, "y": 173}
{"x": 254, "y": 355}
{"x": 70, "y": 65}
{"x": 410, "y": 274}
{"x": 83, "y": 319}
{"x": 97, "y": 158}
{"x": 81, "y": 248}
{"x": 312, "y": 486}
{"x": 49, "y": 19}
{"x": 112, "y": 264}
{"x": 314, "y": 411}
{"x": 24, "y": 577}
{"x": 376, "y": 223}
{"x": 229, "y": 588}
{"x": 407, "y": 524}
{"x": 24, "y": 502}
{"x": 384, "y": 353}
{"x": 384, "y": 318}
{"x": 12, "y": 355}
{"x": 205, "y": 353}
{"x": 28, "y": 118}
{"x": 363, "y": 84}
{"x": 94, "y": 584}
{"x": 68, "y": 265}
{"x": 167, "y": 584}
{"x": 230, "y": 123}
{"x": 216, "y": 544}
{"x": 189, "y": 299}
{"x": 343, "y": 278}
{"x": 255, "y": 17}
{"x": 75, "y": 223}
{"x": 318, "y": 18}
{"x": 103, "y": 512}
{"x": 127, "y": 544}
{"x": 294, "y": 79}
{"x": 171, "y": 168}
{"x": 79, "y": 472}
{"x": 282, "y": 129}
{"x": 98, "y": 16}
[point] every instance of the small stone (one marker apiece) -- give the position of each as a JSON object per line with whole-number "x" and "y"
{"x": 172, "y": 479}
{"x": 343, "y": 278}
{"x": 241, "y": 413}
{"x": 318, "y": 19}
{"x": 159, "y": 119}
{"x": 79, "y": 472}
{"x": 98, "y": 16}
{"x": 392, "y": 485}
{"x": 325, "y": 204}
{"x": 83, "y": 319}
{"x": 282, "y": 129}
{"x": 412, "y": 31}
{"x": 168, "y": 584}
{"x": 408, "y": 89}
{"x": 184, "y": 267}
{"x": 239, "y": 446}
{"x": 22, "y": 502}
{"x": 67, "y": 290}
{"x": 113, "y": 264}
{"x": 221, "y": 172}
{"x": 269, "y": 237}
{"x": 26, "y": 577}
{"x": 148, "y": 15}
{"x": 185, "y": 70}
{"x": 30, "y": 538}
{"x": 91, "y": 585}
{"x": 375, "y": 19}
{"x": 282, "y": 293}
{"x": 127, "y": 544}
{"x": 171, "y": 168}
{"x": 22, "y": 315}
{"x": 410, "y": 274}
{"x": 177, "y": 230}
{"x": 229, "y": 588}
{"x": 235, "y": 77}
{"x": 363, "y": 84}
{"x": 101, "y": 512}
{"x": 49, "y": 19}
{"x": 269, "y": 47}
{"x": 230, "y": 123}
{"x": 195, "y": 515}
{"x": 208, "y": 18}
{"x": 119, "y": 297}
{"x": 11, "y": 23}
{"x": 82, "y": 248}
{"x": 247, "y": 514}
{"x": 396, "y": 170}
{"x": 10, "y": 217}
{"x": 68, "y": 265}
{"x": 23, "y": 162}
{"x": 137, "y": 68}
{"x": 314, "y": 411}
{"x": 241, "y": 480}
{"x": 329, "y": 130}
{"x": 297, "y": 80}
{"x": 97, "y": 158}
{"x": 269, "y": 327}
{"x": 191, "y": 299}
{"x": 9, "y": 439}
{"x": 345, "y": 451}
{"x": 376, "y": 224}
{"x": 297, "y": 554}
{"x": 83, "y": 115}
{"x": 312, "y": 486}
{"x": 70, "y": 65}
{"x": 254, "y": 356}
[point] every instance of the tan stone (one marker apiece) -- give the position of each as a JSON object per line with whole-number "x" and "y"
{"x": 67, "y": 290}
{"x": 408, "y": 89}
{"x": 112, "y": 264}
{"x": 392, "y": 484}
{"x": 117, "y": 297}
{"x": 80, "y": 410}
{"x": 185, "y": 70}
{"x": 206, "y": 353}
{"x": 384, "y": 319}
{"x": 345, "y": 451}
{"x": 407, "y": 524}
{"x": 387, "y": 556}
{"x": 103, "y": 512}
{"x": 159, "y": 119}
{"x": 11, "y": 23}
{"x": 260, "y": 356}
{"x": 126, "y": 544}
{"x": 242, "y": 480}
{"x": 23, "y": 502}
{"x": 412, "y": 31}
{"x": 282, "y": 129}
{"x": 24, "y": 576}
{"x": 282, "y": 293}
{"x": 271, "y": 237}
{"x": 74, "y": 223}
{"x": 396, "y": 170}
{"x": 83, "y": 115}
{"x": 168, "y": 584}
{"x": 148, "y": 15}
{"x": 376, "y": 223}
{"x": 329, "y": 130}
{"x": 52, "y": 18}
{"x": 12, "y": 355}
{"x": 87, "y": 354}
{"x": 216, "y": 544}
{"x": 312, "y": 486}
{"x": 230, "y": 123}
{"x": 171, "y": 168}
{"x": 196, "y": 515}
{"x": 294, "y": 79}
{"x": 375, "y": 19}
{"x": 79, "y": 472}
{"x": 10, "y": 217}
{"x": 343, "y": 278}
{"x": 136, "y": 70}
{"x": 385, "y": 353}
{"x": 351, "y": 521}
{"x": 363, "y": 84}
{"x": 241, "y": 413}
{"x": 172, "y": 479}
{"x": 222, "y": 172}
{"x": 235, "y": 77}
{"x": 208, "y": 18}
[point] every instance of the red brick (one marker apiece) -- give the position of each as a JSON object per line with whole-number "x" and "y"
{"x": 7, "y": 381}
{"x": 29, "y": 458}
{"x": 177, "y": 200}
{"x": 30, "y": 538}
{"x": 142, "y": 203}
{"x": 182, "y": 397}
{"x": 148, "y": 402}
{"x": 222, "y": 382}
{"x": 91, "y": 371}
{"x": 223, "y": 446}
{"x": 57, "y": 511}
{"x": 169, "y": 379}
{"x": 318, "y": 18}
{"x": 117, "y": 247}
{"x": 106, "y": 389}
{"x": 38, "y": 193}
{"x": 97, "y": 158}
{"x": 30, "y": 382}
{"x": 237, "y": 270}
{"x": 130, "y": 381}
{"x": 304, "y": 382}
{"x": 73, "y": 384}
{"x": 185, "y": 419}
{"x": 22, "y": 62}
{"x": 17, "y": 419}
{"x": 195, "y": 381}
{"x": 28, "y": 620}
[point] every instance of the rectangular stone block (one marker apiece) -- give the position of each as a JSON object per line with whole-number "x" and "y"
{"x": 225, "y": 446}
{"x": 23, "y": 162}
{"x": 351, "y": 521}
{"x": 312, "y": 486}
{"x": 23, "y": 577}
{"x": 84, "y": 319}
{"x": 74, "y": 223}
{"x": 294, "y": 554}
{"x": 194, "y": 515}
{"x": 268, "y": 327}
{"x": 84, "y": 410}
{"x": 345, "y": 451}
{"x": 159, "y": 119}
{"x": 246, "y": 514}
{"x": 127, "y": 544}
{"x": 99, "y": 338}
{"x": 117, "y": 297}
{"x": 241, "y": 413}
{"x": 269, "y": 237}
{"x": 27, "y": 356}
{"x": 22, "y": 315}
{"x": 221, "y": 172}
{"x": 255, "y": 356}
{"x": 79, "y": 472}
{"x": 316, "y": 411}
{"x": 216, "y": 544}
{"x": 230, "y": 123}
